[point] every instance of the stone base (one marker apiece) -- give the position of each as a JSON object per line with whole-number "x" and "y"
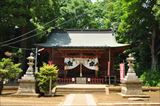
{"x": 26, "y": 88}
{"x": 131, "y": 89}
{"x": 131, "y": 86}
{"x": 134, "y": 96}
{"x": 26, "y": 95}
{"x": 138, "y": 99}
{"x": 107, "y": 90}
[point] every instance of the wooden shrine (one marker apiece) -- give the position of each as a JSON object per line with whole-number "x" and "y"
{"x": 85, "y": 55}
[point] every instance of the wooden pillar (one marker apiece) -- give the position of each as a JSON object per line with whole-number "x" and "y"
{"x": 80, "y": 69}
{"x": 112, "y": 64}
{"x": 52, "y": 54}
{"x": 81, "y": 65}
{"x": 109, "y": 66}
{"x": 65, "y": 73}
{"x": 109, "y": 60}
{"x": 96, "y": 73}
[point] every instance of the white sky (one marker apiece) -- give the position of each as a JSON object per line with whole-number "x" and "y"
{"x": 93, "y": 1}
{"x": 96, "y": 0}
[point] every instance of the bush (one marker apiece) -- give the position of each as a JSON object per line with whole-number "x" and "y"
{"x": 151, "y": 78}
{"x": 43, "y": 77}
{"x": 8, "y": 70}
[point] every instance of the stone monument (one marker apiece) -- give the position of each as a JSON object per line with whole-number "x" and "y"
{"x": 131, "y": 85}
{"x": 27, "y": 82}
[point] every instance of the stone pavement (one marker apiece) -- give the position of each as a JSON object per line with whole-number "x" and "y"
{"x": 79, "y": 100}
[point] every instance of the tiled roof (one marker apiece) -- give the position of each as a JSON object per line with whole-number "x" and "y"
{"x": 77, "y": 38}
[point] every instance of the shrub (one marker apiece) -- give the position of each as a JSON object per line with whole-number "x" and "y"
{"x": 8, "y": 70}
{"x": 151, "y": 78}
{"x": 43, "y": 77}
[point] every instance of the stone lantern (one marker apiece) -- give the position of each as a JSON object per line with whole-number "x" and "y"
{"x": 27, "y": 82}
{"x": 131, "y": 85}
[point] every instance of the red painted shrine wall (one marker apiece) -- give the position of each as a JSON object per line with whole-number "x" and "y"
{"x": 57, "y": 57}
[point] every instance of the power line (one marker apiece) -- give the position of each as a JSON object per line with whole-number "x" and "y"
{"x": 20, "y": 40}
{"x": 31, "y": 30}
{"x": 21, "y": 48}
{"x": 41, "y": 32}
{"x": 27, "y": 32}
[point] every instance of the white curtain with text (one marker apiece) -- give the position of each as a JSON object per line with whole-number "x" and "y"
{"x": 90, "y": 63}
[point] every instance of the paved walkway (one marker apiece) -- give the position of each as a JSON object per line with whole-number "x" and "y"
{"x": 79, "y": 100}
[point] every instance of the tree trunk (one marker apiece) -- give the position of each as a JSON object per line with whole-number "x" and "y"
{"x": 1, "y": 87}
{"x": 23, "y": 42}
{"x": 153, "y": 50}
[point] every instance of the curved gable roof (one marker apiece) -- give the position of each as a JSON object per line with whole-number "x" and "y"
{"x": 78, "y": 38}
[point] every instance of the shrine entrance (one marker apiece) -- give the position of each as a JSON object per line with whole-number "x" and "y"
{"x": 85, "y": 67}
{"x": 76, "y": 72}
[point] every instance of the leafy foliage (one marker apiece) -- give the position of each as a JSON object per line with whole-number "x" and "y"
{"x": 8, "y": 69}
{"x": 151, "y": 78}
{"x": 136, "y": 23}
{"x": 13, "y": 14}
{"x": 43, "y": 77}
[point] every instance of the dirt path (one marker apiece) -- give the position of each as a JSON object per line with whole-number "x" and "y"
{"x": 101, "y": 99}
{"x": 79, "y": 100}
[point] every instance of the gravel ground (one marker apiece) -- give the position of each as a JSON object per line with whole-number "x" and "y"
{"x": 115, "y": 97}
{"x": 7, "y": 100}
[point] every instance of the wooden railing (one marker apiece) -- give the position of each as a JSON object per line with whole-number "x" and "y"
{"x": 73, "y": 80}
{"x": 95, "y": 80}
{"x": 65, "y": 81}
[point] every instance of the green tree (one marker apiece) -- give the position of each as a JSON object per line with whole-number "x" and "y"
{"x": 20, "y": 16}
{"x": 90, "y": 15}
{"x": 46, "y": 15}
{"x": 139, "y": 26}
{"x": 8, "y": 70}
{"x": 43, "y": 76}
{"x": 156, "y": 38}
{"x": 15, "y": 15}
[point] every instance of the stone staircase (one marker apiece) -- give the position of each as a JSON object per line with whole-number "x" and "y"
{"x": 79, "y": 88}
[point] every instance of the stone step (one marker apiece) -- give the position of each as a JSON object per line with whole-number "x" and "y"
{"x": 63, "y": 90}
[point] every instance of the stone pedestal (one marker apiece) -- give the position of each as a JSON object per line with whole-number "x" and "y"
{"x": 27, "y": 82}
{"x": 131, "y": 85}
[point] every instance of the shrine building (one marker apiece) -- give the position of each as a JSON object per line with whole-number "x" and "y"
{"x": 82, "y": 56}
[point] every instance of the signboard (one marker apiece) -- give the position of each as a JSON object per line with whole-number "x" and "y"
{"x": 122, "y": 71}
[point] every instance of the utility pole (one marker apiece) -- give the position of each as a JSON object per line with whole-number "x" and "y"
{"x": 36, "y": 54}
